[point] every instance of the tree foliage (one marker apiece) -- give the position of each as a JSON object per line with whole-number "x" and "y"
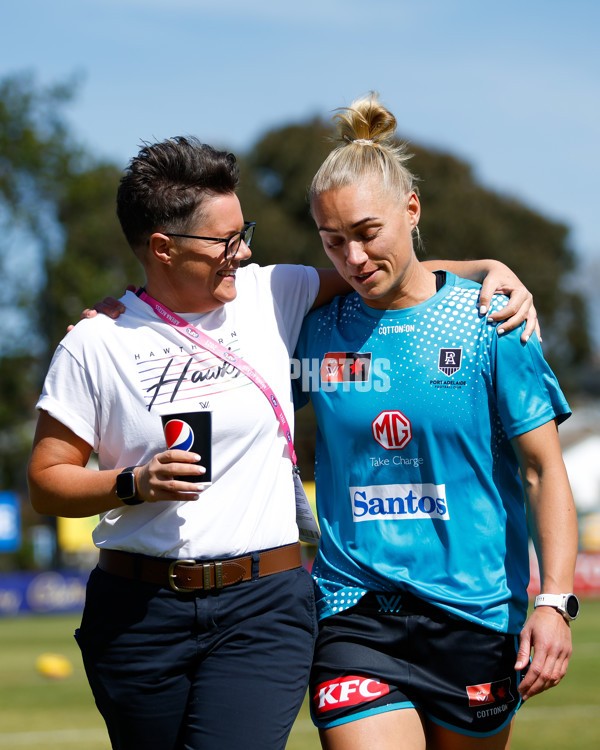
{"x": 276, "y": 174}
{"x": 36, "y": 150}
{"x": 96, "y": 260}
{"x": 36, "y": 155}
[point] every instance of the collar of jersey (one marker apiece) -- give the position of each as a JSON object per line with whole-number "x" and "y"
{"x": 407, "y": 312}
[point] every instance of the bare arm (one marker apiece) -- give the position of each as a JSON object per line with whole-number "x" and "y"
{"x": 331, "y": 284}
{"x": 60, "y": 485}
{"x": 553, "y": 524}
{"x": 495, "y": 277}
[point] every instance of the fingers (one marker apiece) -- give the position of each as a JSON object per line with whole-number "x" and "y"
{"x": 519, "y": 309}
{"x": 531, "y": 324}
{"x": 161, "y": 478}
{"x": 524, "y": 650}
{"x": 488, "y": 289}
{"x": 550, "y": 637}
{"x": 515, "y": 311}
{"x": 109, "y": 306}
{"x": 87, "y": 313}
{"x": 543, "y": 673}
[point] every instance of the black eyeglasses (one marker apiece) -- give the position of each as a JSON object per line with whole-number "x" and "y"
{"x": 232, "y": 244}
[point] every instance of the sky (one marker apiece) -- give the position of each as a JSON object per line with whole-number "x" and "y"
{"x": 511, "y": 87}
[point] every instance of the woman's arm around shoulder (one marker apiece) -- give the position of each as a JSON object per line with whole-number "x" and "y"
{"x": 496, "y": 278}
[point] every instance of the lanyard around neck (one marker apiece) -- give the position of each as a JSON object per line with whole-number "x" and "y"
{"x": 196, "y": 336}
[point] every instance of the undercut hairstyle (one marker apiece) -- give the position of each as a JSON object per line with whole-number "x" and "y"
{"x": 164, "y": 186}
{"x": 368, "y": 148}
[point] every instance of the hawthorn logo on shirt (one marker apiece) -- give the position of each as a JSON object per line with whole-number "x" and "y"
{"x": 347, "y": 691}
{"x": 346, "y": 367}
{"x": 489, "y": 692}
{"x": 450, "y": 360}
{"x": 392, "y": 430}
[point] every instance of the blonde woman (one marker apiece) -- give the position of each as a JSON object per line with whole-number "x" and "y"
{"x": 430, "y": 427}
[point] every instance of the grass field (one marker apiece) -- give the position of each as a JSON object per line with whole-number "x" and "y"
{"x": 37, "y": 713}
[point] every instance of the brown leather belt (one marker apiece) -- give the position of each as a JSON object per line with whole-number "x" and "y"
{"x": 194, "y": 575}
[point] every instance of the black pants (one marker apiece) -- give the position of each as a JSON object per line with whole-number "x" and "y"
{"x": 206, "y": 671}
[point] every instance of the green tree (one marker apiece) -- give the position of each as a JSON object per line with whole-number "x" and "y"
{"x": 62, "y": 250}
{"x": 95, "y": 261}
{"x": 36, "y": 149}
{"x": 275, "y": 177}
{"x": 36, "y": 154}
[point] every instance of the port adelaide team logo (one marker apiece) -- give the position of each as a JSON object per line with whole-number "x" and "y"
{"x": 346, "y": 367}
{"x": 450, "y": 361}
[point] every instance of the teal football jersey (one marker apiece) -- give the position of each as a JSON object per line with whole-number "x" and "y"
{"x": 418, "y": 486}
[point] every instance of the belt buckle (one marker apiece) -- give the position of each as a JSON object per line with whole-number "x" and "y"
{"x": 206, "y": 568}
{"x": 206, "y": 583}
{"x": 171, "y": 576}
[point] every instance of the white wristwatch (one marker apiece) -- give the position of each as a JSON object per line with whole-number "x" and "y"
{"x": 566, "y": 604}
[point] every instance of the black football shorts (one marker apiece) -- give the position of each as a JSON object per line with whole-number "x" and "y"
{"x": 394, "y": 651}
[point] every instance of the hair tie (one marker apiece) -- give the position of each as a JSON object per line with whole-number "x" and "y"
{"x": 363, "y": 141}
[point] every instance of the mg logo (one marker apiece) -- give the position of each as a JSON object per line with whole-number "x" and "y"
{"x": 392, "y": 430}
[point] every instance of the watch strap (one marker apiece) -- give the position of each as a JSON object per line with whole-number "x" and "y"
{"x": 131, "y": 499}
{"x": 560, "y": 602}
{"x": 550, "y": 600}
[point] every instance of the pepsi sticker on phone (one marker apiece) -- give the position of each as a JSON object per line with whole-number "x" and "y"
{"x": 191, "y": 431}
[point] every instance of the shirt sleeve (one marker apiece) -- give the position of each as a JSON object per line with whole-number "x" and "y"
{"x": 528, "y": 393}
{"x": 294, "y": 290}
{"x": 69, "y": 396}
{"x": 303, "y": 362}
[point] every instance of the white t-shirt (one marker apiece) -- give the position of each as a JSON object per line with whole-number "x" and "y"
{"x": 110, "y": 381}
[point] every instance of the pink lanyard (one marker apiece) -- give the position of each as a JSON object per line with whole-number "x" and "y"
{"x": 199, "y": 337}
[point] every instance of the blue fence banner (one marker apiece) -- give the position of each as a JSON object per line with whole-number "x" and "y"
{"x": 46, "y": 592}
{"x": 10, "y": 522}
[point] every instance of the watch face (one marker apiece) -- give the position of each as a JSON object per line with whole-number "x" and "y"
{"x": 572, "y": 606}
{"x": 125, "y": 485}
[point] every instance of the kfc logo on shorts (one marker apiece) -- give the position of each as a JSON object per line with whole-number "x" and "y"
{"x": 489, "y": 692}
{"x": 347, "y": 691}
{"x": 392, "y": 430}
{"x": 450, "y": 361}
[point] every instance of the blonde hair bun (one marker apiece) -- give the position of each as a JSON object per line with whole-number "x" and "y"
{"x": 366, "y": 121}
{"x": 367, "y": 147}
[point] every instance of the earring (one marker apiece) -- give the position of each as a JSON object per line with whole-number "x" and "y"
{"x": 419, "y": 242}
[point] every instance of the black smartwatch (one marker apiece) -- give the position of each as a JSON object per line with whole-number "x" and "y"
{"x": 566, "y": 604}
{"x": 126, "y": 490}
